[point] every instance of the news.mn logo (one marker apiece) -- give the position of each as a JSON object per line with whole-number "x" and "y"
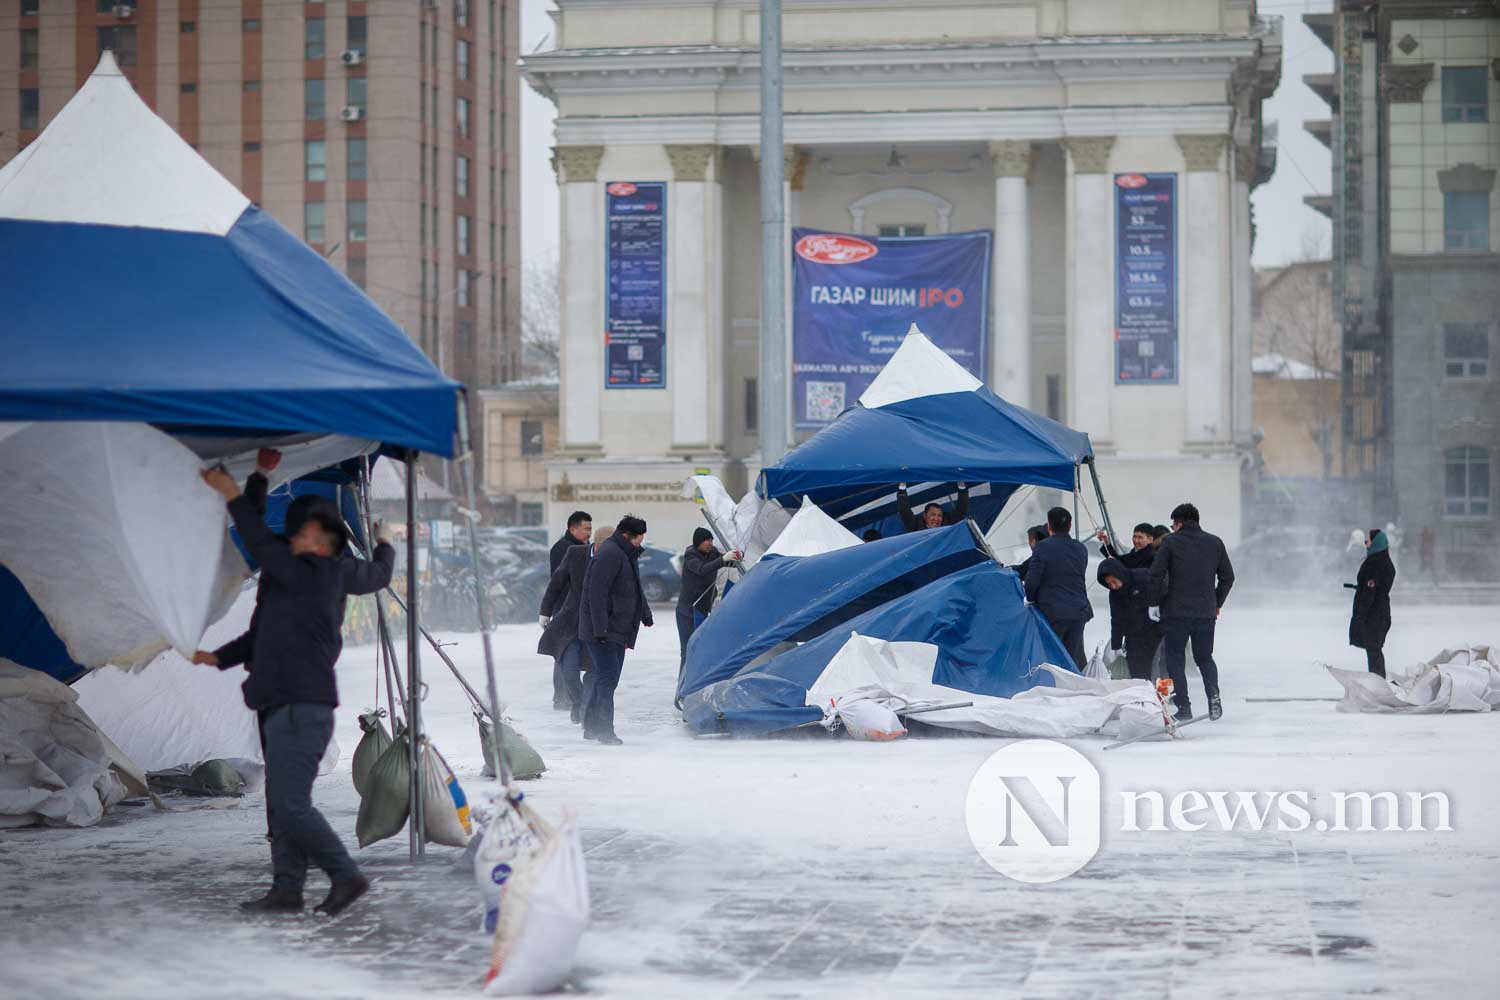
{"x": 1033, "y": 811}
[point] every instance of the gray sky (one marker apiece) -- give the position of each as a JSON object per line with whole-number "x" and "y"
{"x": 1284, "y": 225}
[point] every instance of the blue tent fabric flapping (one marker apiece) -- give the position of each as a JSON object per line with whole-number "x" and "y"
{"x": 927, "y": 422}
{"x": 989, "y": 643}
{"x": 797, "y": 598}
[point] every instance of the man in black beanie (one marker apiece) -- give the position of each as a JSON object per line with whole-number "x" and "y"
{"x": 610, "y": 615}
{"x": 701, "y": 563}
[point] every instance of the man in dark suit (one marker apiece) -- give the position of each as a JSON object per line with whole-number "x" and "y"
{"x": 1055, "y": 583}
{"x": 610, "y": 615}
{"x": 1190, "y": 581}
{"x": 580, "y": 526}
{"x": 560, "y": 620}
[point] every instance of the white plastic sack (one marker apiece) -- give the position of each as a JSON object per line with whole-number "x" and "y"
{"x": 445, "y": 820}
{"x": 545, "y": 912}
{"x": 868, "y": 720}
{"x": 1097, "y": 668}
{"x": 512, "y": 836}
{"x": 116, "y": 538}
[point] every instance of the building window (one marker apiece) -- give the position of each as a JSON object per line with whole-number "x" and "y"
{"x": 1466, "y": 350}
{"x": 357, "y": 270}
{"x": 250, "y": 147}
{"x": 188, "y": 27}
{"x": 1466, "y": 94}
{"x": 357, "y": 154}
{"x": 461, "y": 13}
{"x": 30, "y": 8}
{"x": 108, "y": 6}
{"x": 752, "y": 405}
{"x": 1054, "y": 397}
{"x": 436, "y": 93}
{"x": 312, "y": 99}
{"x": 531, "y": 514}
{"x": 357, "y": 92}
{"x": 902, "y": 229}
{"x": 315, "y": 38}
{"x": 1466, "y": 479}
{"x": 462, "y": 111}
{"x": 188, "y": 88}
{"x": 463, "y": 59}
{"x": 422, "y": 102}
{"x": 252, "y": 86}
{"x": 358, "y": 37}
{"x": 1466, "y": 220}
{"x": 119, "y": 39}
{"x": 422, "y": 162}
{"x": 314, "y": 227}
{"x": 462, "y": 189}
{"x": 31, "y": 106}
{"x": 422, "y": 41}
{"x": 356, "y": 210}
{"x": 315, "y": 159}
{"x": 250, "y": 24}
{"x": 462, "y": 230}
{"x": 531, "y": 438}
{"x": 30, "y": 47}
{"x": 463, "y": 289}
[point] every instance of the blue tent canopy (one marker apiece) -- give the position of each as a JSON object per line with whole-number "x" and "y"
{"x": 797, "y": 598}
{"x": 989, "y": 642}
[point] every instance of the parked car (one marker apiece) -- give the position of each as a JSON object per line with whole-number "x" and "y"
{"x": 660, "y": 579}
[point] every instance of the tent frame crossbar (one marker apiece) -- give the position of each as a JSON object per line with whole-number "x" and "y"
{"x": 1109, "y": 528}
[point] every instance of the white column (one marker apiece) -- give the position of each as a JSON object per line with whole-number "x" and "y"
{"x": 695, "y": 322}
{"x": 1010, "y": 291}
{"x": 1091, "y": 287}
{"x": 581, "y": 350}
{"x": 1244, "y": 315}
{"x": 1203, "y": 334}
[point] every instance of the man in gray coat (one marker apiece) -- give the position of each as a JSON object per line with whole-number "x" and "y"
{"x": 1190, "y": 581}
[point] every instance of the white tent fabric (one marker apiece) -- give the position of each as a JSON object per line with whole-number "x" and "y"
{"x": 116, "y": 538}
{"x": 120, "y": 182}
{"x": 918, "y": 368}
{"x": 752, "y": 525}
{"x": 56, "y": 767}
{"x": 811, "y": 533}
{"x": 899, "y": 676}
{"x": 1466, "y": 679}
{"x": 300, "y": 453}
{"x": 388, "y": 484}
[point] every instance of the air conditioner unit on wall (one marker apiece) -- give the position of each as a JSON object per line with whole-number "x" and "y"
{"x": 351, "y": 114}
{"x": 123, "y": 10}
{"x": 352, "y": 57}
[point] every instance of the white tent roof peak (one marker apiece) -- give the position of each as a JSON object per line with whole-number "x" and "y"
{"x": 918, "y": 368}
{"x": 108, "y": 160}
{"x": 812, "y": 533}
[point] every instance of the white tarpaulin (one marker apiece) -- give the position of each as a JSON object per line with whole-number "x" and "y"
{"x": 899, "y": 676}
{"x": 812, "y": 533}
{"x": 751, "y": 525}
{"x": 56, "y": 767}
{"x": 1455, "y": 680}
{"x": 115, "y": 537}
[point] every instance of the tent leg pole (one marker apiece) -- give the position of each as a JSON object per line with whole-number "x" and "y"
{"x": 415, "y": 841}
{"x": 466, "y": 474}
{"x": 437, "y": 648}
{"x": 1077, "y": 528}
{"x": 1109, "y": 528}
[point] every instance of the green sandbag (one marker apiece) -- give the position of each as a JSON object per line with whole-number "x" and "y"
{"x": 372, "y": 744}
{"x": 521, "y": 758}
{"x": 387, "y": 795}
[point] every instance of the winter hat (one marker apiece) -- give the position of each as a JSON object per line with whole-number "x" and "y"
{"x": 701, "y": 535}
{"x": 1378, "y": 542}
{"x": 1112, "y": 567}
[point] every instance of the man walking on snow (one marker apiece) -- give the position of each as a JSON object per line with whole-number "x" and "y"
{"x": 1055, "y": 583}
{"x": 1190, "y": 581}
{"x": 580, "y": 527}
{"x": 610, "y": 616}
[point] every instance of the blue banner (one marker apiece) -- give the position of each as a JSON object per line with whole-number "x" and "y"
{"x": 635, "y": 267}
{"x": 855, "y": 298}
{"x": 1145, "y": 279}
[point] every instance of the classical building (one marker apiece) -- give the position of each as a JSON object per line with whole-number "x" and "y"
{"x": 520, "y": 430}
{"x": 383, "y": 131}
{"x": 1415, "y": 136}
{"x": 1024, "y": 118}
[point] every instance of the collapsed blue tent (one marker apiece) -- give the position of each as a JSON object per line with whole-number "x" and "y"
{"x": 927, "y": 422}
{"x": 797, "y": 598}
{"x": 989, "y": 642}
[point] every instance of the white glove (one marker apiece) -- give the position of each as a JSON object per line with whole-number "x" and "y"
{"x": 382, "y": 533}
{"x": 1154, "y": 614}
{"x": 542, "y": 620}
{"x": 901, "y": 486}
{"x": 963, "y": 486}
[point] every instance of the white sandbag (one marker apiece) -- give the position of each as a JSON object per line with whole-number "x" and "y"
{"x": 512, "y": 836}
{"x": 445, "y": 811}
{"x": 545, "y": 913}
{"x": 115, "y": 537}
{"x": 868, "y": 720}
{"x": 1097, "y": 669}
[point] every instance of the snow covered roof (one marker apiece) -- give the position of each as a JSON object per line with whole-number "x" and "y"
{"x": 1283, "y": 367}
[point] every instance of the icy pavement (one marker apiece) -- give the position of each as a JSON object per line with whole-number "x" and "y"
{"x": 809, "y": 868}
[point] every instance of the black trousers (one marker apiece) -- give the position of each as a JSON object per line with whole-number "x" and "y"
{"x": 1071, "y": 634}
{"x": 1177, "y": 633}
{"x": 1140, "y": 653}
{"x": 1375, "y": 657}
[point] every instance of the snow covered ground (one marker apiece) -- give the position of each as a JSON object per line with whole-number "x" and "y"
{"x": 802, "y": 868}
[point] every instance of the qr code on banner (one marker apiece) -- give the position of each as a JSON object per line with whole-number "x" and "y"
{"x": 825, "y": 400}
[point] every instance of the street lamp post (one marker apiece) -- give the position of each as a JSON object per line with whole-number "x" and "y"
{"x": 773, "y": 360}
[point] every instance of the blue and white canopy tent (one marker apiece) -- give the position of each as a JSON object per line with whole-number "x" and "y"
{"x": 204, "y": 331}
{"x": 927, "y": 422}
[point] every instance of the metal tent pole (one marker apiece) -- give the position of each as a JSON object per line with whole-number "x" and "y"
{"x": 416, "y": 837}
{"x": 1109, "y": 529}
{"x": 773, "y": 366}
{"x": 382, "y": 635}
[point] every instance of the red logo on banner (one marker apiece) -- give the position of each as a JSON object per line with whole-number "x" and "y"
{"x": 621, "y": 189}
{"x": 1131, "y": 180}
{"x": 829, "y": 248}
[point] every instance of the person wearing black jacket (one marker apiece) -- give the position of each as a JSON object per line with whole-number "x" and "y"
{"x": 560, "y": 619}
{"x": 1055, "y": 583}
{"x": 1370, "y": 620}
{"x": 1130, "y": 621}
{"x": 580, "y": 527}
{"x": 1034, "y": 534}
{"x": 1142, "y": 553}
{"x": 1190, "y": 580}
{"x": 701, "y": 563}
{"x": 610, "y": 615}
{"x": 933, "y": 515}
{"x": 305, "y": 584}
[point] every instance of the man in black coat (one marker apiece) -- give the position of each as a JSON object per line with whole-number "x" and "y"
{"x": 701, "y": 563}
{"x": 1130, "y": 621}
{"x": 610, "y": 615}
{"x": 560, "y": 620}
{"x": 580, "y": 527}
{"x": 933, "y": 515}
{"x": 1142, "y": 551}
{"x": 1055, "y": 583}
{"x": 1190, "y": 581}
{"x": 305, "y": 583}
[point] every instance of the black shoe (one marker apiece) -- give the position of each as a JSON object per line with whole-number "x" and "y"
{"x": 1214, "y": 708}
{"x": 275, "y": 901}
{"x": 341, "y": 894}
{"x": 610, "y": 740}
{"x": 1184, "y": 714}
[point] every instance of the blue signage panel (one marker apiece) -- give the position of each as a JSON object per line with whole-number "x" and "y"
{"x": 1145, "y": 279}
{"x": 635, "y": 268}
{"x": 855, "y": 298}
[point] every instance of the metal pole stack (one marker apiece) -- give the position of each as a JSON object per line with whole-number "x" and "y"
{"x": 773, "y": 360}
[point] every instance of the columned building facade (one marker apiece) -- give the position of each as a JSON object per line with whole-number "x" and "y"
{"x": 902, "y": 119}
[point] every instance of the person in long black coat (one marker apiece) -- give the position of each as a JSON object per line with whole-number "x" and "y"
{"x": 1371, "y": 618}
{"x": 559, "y": 613}
{"x": 1130, "y": 623}
{"x": 610, "y": 615}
